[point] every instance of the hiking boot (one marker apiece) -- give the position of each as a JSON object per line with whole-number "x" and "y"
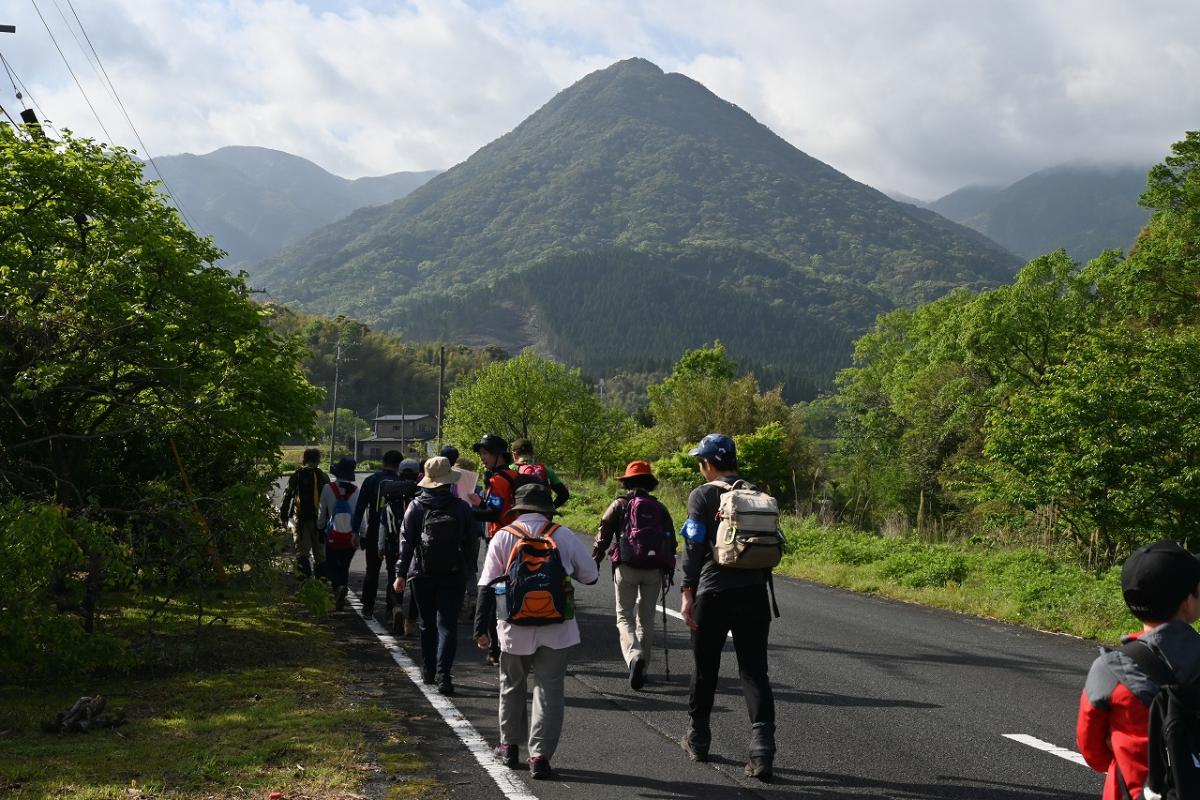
{"x": 637, "y": 674}
{"x": 445, "y": 685}
{"x": 694, "y": 750}
{"x": 760, "y": 767}
{"x": 428, "y": 677}
{"x": 339, "y": 598}
{"x": 506, "y": 754}
{"x": 539, "y": 768}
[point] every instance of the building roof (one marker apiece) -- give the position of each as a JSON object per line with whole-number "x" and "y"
{"x": 402, "y": 417}
{"x": 396, "y": 439}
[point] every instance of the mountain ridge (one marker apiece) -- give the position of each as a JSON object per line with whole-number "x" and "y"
{"x": 640, "y": 163}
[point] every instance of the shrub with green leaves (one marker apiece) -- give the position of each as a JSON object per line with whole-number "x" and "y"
{"x": 916, "y": 565}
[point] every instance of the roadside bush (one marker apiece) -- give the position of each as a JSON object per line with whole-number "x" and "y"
{"x": 918, "y": 566}
{"x": 45, "y": 558}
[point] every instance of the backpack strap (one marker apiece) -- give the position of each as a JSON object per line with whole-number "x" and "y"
{"x": 1149, "y": 662}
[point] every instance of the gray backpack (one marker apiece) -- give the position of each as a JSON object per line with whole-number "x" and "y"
{"x": 748, "y": 536}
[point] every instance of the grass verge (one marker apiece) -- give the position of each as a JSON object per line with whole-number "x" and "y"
{"x": 271, "y": 707}
{"x": 1022, "y": 586}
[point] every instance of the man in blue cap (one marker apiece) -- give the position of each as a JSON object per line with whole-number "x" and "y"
{"x": 718, "y": 600}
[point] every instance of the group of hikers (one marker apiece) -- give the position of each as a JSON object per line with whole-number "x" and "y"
{"x": 1139, "y": 714}
{"x": 428, "y": 528}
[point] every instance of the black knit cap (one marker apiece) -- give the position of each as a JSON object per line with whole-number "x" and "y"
{"x": 1157, "y": 578}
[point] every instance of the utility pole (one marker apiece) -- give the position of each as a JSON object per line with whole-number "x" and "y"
{"x": 337, "y": 374}
{"x": 441, "y": 391}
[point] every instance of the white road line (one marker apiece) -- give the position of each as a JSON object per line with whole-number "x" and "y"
{"x": 509, "y": 784}
{"x": 1046, "y": 747}
{"x": 672, "y": 612}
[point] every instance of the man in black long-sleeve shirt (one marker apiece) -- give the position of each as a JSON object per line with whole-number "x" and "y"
{"x": 380, "y": 543}
{"x": 718, "y": 600}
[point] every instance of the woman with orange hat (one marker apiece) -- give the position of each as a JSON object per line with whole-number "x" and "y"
{"x": 638, "y": 535}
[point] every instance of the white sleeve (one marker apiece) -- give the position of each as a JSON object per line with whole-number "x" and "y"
{"x": 327, "y": 501}
{"x": 579, "y": 562}
{"x": 493, "y": 562}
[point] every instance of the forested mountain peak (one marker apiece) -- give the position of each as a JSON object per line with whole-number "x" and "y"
{"x": 630, "y": 160}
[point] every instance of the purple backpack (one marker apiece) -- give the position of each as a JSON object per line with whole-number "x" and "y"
{"x": 645, "y": 541}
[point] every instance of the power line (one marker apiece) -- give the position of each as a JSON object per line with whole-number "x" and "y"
{"x": 79, "y": 44}
{"x": 63, "y": 55}
{"x": 23, "y": 92}
{"x": 116, "y": 96}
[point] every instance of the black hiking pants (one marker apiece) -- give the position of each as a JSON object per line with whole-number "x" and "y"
{"x": 371, "y": 579}
{"x": 745, "y": 612}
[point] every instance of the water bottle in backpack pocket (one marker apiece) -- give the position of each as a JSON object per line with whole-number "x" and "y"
{"x": 538, "y": 589}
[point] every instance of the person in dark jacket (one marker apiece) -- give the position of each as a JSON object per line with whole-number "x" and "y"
{"x": 718, "y": 601}
{"x": 301, "y": 504}
{"x": 1161, "y": 586}
{"x": 636, "y": 586}
{"x": 379, "y": 541}
{"x": 433, "y": 547}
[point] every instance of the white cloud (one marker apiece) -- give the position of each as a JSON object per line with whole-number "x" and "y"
{"x": 920, "y": 96}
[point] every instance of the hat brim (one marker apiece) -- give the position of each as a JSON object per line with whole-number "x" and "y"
{"x": 623, "y": 478}
{"x": 548, "y": 511}
{"x": 430, "y": 483}
{"x": 697, "y": 451}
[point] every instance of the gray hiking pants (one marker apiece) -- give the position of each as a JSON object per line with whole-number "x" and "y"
{"x": 637, "y": 591}
{"x": 549, "y": 668}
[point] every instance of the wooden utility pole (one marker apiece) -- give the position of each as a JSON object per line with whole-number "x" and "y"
{"x": 337, "y": 374}
{"x": 441, "y": 392}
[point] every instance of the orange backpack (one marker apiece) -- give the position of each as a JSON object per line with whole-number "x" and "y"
{"x": 539, "y": 591}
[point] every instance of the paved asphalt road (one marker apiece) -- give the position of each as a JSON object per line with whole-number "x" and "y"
{"x": 874, "y": 699}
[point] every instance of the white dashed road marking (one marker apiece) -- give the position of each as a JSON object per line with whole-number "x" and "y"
{"x": 509, "y": 784}
{"x": 1046, "y": 747}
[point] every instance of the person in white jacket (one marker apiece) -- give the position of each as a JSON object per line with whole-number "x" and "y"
{"x": 541, "y": 649}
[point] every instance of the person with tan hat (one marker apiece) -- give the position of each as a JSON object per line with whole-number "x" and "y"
{"x": 434, "y": 539}
{"x": 637, "y": 534}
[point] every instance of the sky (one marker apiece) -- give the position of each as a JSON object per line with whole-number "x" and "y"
{"x": 913, "y": 96}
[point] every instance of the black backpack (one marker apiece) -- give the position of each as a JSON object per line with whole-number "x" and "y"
{"x": 1174, "y": 746}
{"x": 307, "y": 499}
{"x": 393, "y": 499}
{"x": 443, "y": 537}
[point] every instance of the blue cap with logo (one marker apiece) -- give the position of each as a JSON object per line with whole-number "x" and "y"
{"x": 716, "y": 446}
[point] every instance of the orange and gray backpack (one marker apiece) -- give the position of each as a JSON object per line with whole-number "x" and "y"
{"x": 539, "y": 591}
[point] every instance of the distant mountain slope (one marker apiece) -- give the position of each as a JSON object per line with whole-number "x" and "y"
{"x": 1084, "y": 209}
{"x": 630, "y": 159}
{"x": 253, "y": 201}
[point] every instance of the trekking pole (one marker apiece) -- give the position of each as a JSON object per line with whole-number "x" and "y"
{"x": 666, "y": 644}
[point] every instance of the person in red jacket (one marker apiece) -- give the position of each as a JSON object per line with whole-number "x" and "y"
{"x": 1161, "y": 585}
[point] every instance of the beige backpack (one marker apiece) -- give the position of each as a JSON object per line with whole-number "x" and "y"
{"x": 748, "y": 536}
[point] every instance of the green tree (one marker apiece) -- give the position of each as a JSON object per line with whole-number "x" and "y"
{"x": 1111, "y": 441}
{"x": 702, "y": 395}
{"x": 541, "y": 400}
{"x": 141, "y": 388}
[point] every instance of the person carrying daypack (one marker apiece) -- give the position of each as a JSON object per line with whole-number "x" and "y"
{"x": 435, "y": 534}
{"x": 301, "y": 504}
{"x": 1138, "y": 705}
{"x": 388, "y": 490}
{"x": 494, "y": 508}
{"x": 336, "y": 518}
{"x": 637, "y": 534}
{"x": 531, "y": 564}
{"x": 731, "y": 542}
{"x": 396, "y": 497}
{"x": 529, "y": 470}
